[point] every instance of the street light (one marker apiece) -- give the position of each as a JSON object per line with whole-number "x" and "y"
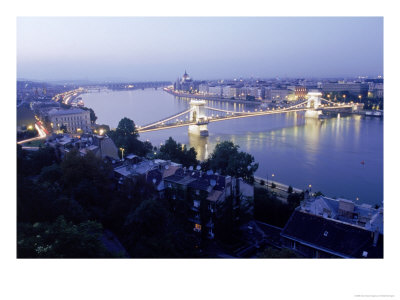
{"x": 272, "y": 181}
{"x": 122, "y": 150}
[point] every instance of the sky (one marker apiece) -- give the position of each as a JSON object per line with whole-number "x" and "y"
{"x": 149, "y": 48}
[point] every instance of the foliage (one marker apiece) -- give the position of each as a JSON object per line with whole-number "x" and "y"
{"x": 126, "y": 127}
{"x": 32, "y": 162}
{"x": 294, "y": 199}
{"x": 178, "y": 153}
{"x": 268, "y": 209}
{"x": 60, "y": 239}
{"x": 50, "y": 174}
{"x": 27, "y": 134}
{"x": 93, "y": 116}
{"x": 319, "y": 193}
{"x": 126, "y": 137}
{"x": 290, "y": 189}
{"x": 87, "y": 179}
{"x": 227, "y": 160}
{"x": 150, "y": 231}
{"x": 81, "y": 188}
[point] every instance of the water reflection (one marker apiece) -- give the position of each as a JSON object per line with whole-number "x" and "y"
{"x": 200, "y": 143}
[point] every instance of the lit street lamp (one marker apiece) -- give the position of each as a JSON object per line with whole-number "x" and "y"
{"x": 272, "y": 181}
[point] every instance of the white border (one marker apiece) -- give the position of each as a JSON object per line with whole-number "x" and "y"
{"x": 200, "y": 279}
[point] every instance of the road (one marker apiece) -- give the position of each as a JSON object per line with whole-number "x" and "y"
{"x": 42, "y": 134}
{"x": 280, "y": 189}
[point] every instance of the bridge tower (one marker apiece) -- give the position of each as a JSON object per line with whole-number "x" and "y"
{"x": 314, "y": 99}
{"x": 313, "y": 103}
{"x": 198, "y": 115}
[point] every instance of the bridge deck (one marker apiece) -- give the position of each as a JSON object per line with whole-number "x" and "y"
{"x": 160, "y": 125}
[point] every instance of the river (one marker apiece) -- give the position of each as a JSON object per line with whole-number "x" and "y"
{"x": 299, "y": 151}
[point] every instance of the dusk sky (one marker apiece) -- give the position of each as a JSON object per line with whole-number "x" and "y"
{"x": 144, "y": 48}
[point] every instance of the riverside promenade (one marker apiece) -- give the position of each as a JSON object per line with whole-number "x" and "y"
{"x": 196, "y": 96}
{"x": 280, "y": 189}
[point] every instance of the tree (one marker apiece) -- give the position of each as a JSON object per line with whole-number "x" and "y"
{"x": 269, "y": 209}
{"x": 61, "y": 239}
{"x": 227, "y": 160}
{"x": 178, "y": 153}
{"x": 151, "y": 231}
{"x": 32, "y": 162}
{"x": 93, "y": 116}
{"x": 290, "y": 189}
{"x": 126, "y": 137}
{"x": 87, "y": 179}
{"x": 294, "y": 199}
{"x": 126, "y": 127}
{"x": 50, "y": 174}
{"x": 319, "y": 193}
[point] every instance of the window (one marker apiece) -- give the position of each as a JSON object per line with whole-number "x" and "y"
{"x": 196, "y": 203}
{"x": 197, "y": 227}
{"x": 197, "y": 192}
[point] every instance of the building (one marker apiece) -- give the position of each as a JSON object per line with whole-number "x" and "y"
{"x": 184, "y": 84}
{"x": 203, "y": 88}
{"x": 279, "y": 94}
{"x": 230, "y": 91}
{"x": 152, "y": 171}
{"x": 376, "y": 90}
{"x": 325, "y": 227}
{"x": 75, "y": 120}
{"x": 215, "y": 91}
{"x": 353, "y": 88}
{"x": 100, "y": 146}
{"x": 206, "y": 194}
{"x": 300, "y": 92}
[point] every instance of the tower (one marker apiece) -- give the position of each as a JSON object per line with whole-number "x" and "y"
{"x": 198, "y": 116}
{"x": 314, "y": 101}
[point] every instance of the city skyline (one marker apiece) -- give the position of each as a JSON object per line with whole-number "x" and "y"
{"x": 148, "y": 48}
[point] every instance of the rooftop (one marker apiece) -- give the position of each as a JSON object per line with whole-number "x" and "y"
{"x": 143, "y": 167}
{"x": 71, "y": 111}
{"x": 338, "y": 238}
{"x": 346, "y": 211}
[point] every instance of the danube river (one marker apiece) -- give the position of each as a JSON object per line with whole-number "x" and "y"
{"x": 299, "y": 151}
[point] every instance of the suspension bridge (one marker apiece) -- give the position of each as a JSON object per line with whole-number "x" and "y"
{"x": 199, "y": 115}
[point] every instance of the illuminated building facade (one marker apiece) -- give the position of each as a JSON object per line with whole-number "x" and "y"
{"x": 75, "y": 120}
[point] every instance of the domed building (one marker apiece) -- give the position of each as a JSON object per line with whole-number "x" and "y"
{"x": 185, "y": 83}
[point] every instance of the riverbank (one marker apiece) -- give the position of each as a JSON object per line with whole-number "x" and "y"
{"x": 280, "y": 189}
{"x": 185, "y": 95}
